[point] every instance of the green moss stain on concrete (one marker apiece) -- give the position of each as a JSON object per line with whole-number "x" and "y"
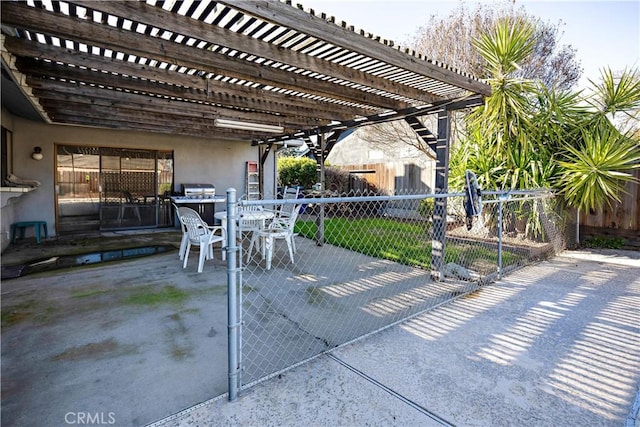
{"x": 95, "y": 350}
{"x": 153, "y": 296}
{"x": 19, "y": 312}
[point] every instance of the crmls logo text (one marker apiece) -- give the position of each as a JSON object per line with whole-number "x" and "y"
{"x": 94, "y": 418}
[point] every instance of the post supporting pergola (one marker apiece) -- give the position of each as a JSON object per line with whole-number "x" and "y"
{"x": 441, "y": 187}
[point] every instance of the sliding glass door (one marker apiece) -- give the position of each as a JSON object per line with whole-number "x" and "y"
{"x": 77, "y": 189}
{"x": 113, "y": 188}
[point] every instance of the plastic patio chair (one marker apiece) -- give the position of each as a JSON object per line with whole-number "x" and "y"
{"x": 130, "y": 203}
{"x": 278, "y": 229}
{"x": 185, "y": 236}
{"x": 285, "y": 210}
{"x": 202, "y": 234}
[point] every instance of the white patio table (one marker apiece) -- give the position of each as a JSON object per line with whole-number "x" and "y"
{"x": 261, "y": 216}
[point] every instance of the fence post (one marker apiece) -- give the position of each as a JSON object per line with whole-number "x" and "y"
{"x": 320, "y": 155}
{"x": 501, "y": 198}
{"x": 442, "y": 187}
{"x": 233, "y": 322}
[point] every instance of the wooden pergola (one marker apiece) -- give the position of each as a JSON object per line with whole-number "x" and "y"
{"x": 192, "y": 67}
{"x": 262, "y": 71}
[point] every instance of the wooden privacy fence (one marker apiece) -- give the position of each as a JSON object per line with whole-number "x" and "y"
{"x": 395, "y": 177}
{"x": 621, "y": 219}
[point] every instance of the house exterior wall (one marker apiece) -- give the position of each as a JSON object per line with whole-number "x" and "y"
{"x": 221, "y": 163}
{"x": 394, "y": 167}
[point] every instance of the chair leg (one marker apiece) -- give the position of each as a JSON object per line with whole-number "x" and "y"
{"x": 253, "y": 241}
{"x": 204, "y": 251}
{"x": 268, "y": 248}
{"x": 186, "y": 254}
{"x": 263, "y": 246}
{"x": 183, "y": 245}
{"x": 291, "y": 247}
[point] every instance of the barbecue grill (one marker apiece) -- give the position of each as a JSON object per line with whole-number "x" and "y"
{"x": 201, "y": 197}
{"x": 198, "y": 191}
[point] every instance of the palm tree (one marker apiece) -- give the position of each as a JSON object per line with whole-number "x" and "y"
{"x": 527, "y": 135}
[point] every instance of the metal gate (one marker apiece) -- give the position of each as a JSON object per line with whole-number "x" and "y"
{"x": 362, "y": 264}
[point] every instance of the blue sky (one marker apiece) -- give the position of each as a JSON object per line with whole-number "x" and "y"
{"x": 605, "y": 33}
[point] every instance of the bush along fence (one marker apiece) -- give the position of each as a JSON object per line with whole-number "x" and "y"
{"x": 361, "y": 264}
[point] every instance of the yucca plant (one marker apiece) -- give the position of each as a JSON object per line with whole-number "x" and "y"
{"x": 527, "y": 135}
{"x": 595, "y": 168}
{"x": 507, "y": 111}
{"x": 613, "y": 95}
{"x": 595, "y": 172}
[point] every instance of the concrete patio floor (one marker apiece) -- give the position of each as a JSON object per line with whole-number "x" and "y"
{"x": 557, "y": 343}
{"x": 554, "y": 344}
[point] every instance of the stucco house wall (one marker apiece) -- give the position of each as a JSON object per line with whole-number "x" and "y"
{"x": 395, "y": 166}
{"x": 196, "y": 160}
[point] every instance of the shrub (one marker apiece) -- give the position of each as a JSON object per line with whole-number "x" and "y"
{"x": 426, "y": 207}
{"x": 605, "y": 242}
{"x": 296, "y": 171}
{"x": 337, "y": 180}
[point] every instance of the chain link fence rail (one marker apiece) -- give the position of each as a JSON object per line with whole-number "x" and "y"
{"x": 364, "y": 263}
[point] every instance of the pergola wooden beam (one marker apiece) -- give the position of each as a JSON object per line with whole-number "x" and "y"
{"x": 203, "y": 89}
{"x": 285, "y": 15}
{"x": 449, "y": 105}
{"x": 145, "y": 93}
{"x": 259, "y": 62}
{"x": 189, "y": 27}
{"x": 101, "y": 36}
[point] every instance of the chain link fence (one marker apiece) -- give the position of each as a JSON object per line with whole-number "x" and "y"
{"x": 360, "y": 263}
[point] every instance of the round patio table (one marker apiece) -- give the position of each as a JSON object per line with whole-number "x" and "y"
{"x": 261, "y": 216}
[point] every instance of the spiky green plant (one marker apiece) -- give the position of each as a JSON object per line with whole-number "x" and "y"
{"x": 529, "y": 136}
{"x": 595, "y": 172}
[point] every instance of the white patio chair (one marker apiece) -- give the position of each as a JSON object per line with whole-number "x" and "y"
{"x": 249, "y": 225}
{"x": 278, "y": 229}
{"x": 202, "y": 234}
{"x": 185, "y": 236}
{"x": 285, "y": 210}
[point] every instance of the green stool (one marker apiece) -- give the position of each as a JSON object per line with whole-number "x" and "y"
{"x": 23, "y": 225}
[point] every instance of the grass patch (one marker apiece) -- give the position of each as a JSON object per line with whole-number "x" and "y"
{"x": 152, "y": 296}
{"x": 399, "y": 241}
